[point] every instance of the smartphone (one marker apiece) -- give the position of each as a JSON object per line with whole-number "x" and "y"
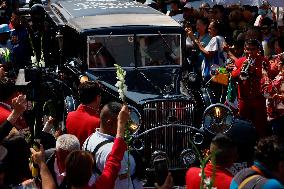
{"x": 161, "y": 170}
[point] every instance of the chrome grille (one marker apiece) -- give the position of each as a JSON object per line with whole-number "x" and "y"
{"x": 172, "y": 140}
{"x": 164, "y": 112}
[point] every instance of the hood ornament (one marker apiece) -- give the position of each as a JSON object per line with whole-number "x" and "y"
{"x": 168, "y": 89}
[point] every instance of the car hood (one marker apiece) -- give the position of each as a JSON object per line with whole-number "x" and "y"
{"x": 142, "y": 84}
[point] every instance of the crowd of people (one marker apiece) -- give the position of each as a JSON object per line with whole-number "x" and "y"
{"x": 95, "y": 155}
{"x": 91, "y": 153}
{"x": 245, "y": 44}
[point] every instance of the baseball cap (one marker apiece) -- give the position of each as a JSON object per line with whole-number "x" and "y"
{"x": 4, "y": 28}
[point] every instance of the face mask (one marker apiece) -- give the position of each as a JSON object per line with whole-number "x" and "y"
{"x": 262, "y": 12}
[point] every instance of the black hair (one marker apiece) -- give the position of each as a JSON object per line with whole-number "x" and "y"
{"x": 37, "y": 9}
{"x": 223, "y": 148}
{"x": 7, "y": 88}
{"x": 110, "y": 110}
{"x": 17, "y": 158}
{"x": 217, "y": 26}
{"x": 221, "y": 8}
{"x": 79, "y": 167}
{"x": 88, "y": 91}
{"x": 33, "y": 2}
{"x": 253, "y": 42}
{"x": 204, "y": 20}
{"x": 270, "y": 151}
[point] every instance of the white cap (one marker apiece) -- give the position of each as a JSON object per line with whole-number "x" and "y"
{"x": 187, "y": 5}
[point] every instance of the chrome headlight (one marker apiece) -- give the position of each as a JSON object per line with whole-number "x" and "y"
{"x": 188, "y": 157}
{"x": 217, "y": 118}
{"x": 135, "y": 119}
{"x": 198, "y": 138}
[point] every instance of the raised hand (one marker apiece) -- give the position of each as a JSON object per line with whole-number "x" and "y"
{"x": 19, "y": 104}
{"x": 38, "y": 156}
{"x": 122, "y": 120}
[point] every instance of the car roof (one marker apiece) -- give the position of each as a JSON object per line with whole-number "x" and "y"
{"x": 90, "y": 14}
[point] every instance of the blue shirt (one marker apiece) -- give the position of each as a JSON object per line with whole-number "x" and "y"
{"x": 270, "y": 183}
{"x": 21, "y": 47}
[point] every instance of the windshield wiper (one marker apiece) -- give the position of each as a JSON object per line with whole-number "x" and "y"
{"x": 150, "y": 81}
{"x": 166, "y": 44}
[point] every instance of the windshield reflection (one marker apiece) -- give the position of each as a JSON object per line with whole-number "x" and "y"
{"x": 142, "y": 50}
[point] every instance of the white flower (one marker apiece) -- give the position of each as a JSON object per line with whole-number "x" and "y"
{"x": 207, "y": 181}
{"x": 120, "y": 84}
{"x": 33, "y": 59}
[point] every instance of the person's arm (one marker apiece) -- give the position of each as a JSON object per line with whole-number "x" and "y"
{"x": 168, "y": 184}
{"x": 19, "y": 105}
{"x": 47, "y": 181}
{"x": 226, "y": 49}
{"x": 112, "y": 166}
{"x": 5, "y": 128}
{"x": 208, "y": 54}
{"x": 237, "y": 70}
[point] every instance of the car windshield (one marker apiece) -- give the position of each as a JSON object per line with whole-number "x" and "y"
{"x": 130, "y": 50}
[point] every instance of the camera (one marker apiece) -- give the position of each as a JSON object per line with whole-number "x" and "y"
{"x": 29, "y": 81}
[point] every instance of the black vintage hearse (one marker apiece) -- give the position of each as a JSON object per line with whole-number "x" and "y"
{"x": 150, "y": 47}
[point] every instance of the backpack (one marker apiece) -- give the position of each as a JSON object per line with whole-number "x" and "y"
{"x": 251, "y": 180}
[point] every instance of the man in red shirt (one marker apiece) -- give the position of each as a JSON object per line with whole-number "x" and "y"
{"x": 84, "y": 121}
{"x": 225, "y": 154}
{"x": 7, "y": 93}
{"x": 251, "y": 101}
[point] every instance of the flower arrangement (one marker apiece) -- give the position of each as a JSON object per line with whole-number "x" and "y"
{"x": 122, "y": 89}
{"x": 120, "y": 84}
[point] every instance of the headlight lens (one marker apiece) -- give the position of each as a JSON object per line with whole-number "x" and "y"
{"x": 188, "y": 157}
{"x": 218, "y": 118}
{"x": 135, "y": 119}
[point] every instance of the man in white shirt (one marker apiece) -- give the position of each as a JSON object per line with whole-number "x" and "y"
{"x": 100, "y": 143}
